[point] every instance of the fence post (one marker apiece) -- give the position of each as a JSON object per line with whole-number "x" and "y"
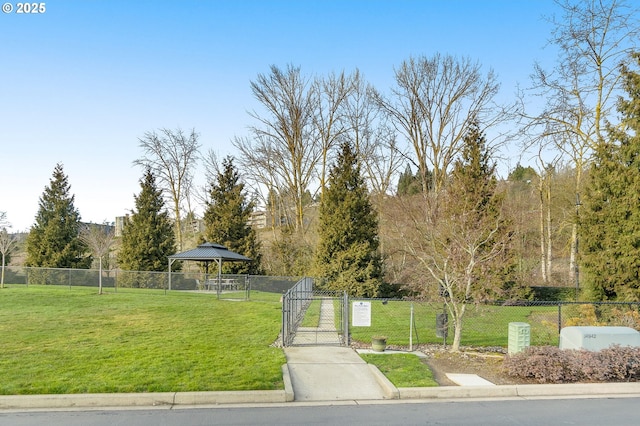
{"x": 247, "y": 287}
{"x": 559, "y": 317}
{"x": 345, "y": 318}
{"x": 284, "y": 319}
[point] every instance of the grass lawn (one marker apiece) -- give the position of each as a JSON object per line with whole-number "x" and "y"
{"x": 403, "y": 370}
{"x": 62, "y": 340}
{"x": 312, "y": 314}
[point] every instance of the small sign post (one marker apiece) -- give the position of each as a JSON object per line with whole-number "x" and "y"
{"x": 361, "y": 314}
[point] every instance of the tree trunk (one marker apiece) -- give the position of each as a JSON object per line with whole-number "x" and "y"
{"x": 100, "y": 276}
{"x": 543, "y": 252}
{"x": 457, "y": 328}
{"x": 549, "y": 245}
{"x": 176, "y": 211}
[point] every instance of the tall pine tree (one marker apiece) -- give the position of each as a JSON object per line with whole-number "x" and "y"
{"x": 610, "y": 214}
{"x": 53, "y": 240}
{"x": 226, "y": 220}
{"x": 347, "y": 254}
{"x": 147, "y": 236}
{"x": 477, "y": 206}
{"x": 473, "y": 181}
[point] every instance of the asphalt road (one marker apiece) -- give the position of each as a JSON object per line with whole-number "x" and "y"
{"x": 601, "y": 411}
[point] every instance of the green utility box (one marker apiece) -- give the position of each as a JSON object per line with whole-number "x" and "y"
{"x": 519, "y": 337}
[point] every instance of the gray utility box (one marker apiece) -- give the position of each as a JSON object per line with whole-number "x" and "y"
{"x": 597, "y": 338}
{"x": 519, "y": 337}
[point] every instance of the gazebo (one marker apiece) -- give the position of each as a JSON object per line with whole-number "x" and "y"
{"x": 208, "y": 252}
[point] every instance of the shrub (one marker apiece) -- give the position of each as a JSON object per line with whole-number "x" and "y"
{"x": 590, "y": 315}
{"x": 549, "y": 364}
{"x": 583, "y": 315}
{"x": 625, "y": 318}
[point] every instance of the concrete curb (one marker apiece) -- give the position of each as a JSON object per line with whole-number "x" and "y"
{"x": 288, "y": 387}
{"x": 87, "y": 400}
{"x": 172, "y": 399}
{"x": 390, "y": 391}
{"x": 521, "y": 391}
{"x": 168, "y": 399}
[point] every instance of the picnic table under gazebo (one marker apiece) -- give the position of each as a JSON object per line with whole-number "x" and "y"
{"x": 207, "y": 253}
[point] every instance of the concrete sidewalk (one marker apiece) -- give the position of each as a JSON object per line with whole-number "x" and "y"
{"x": 322, "y": 370}
{"x": 325, "y": 373}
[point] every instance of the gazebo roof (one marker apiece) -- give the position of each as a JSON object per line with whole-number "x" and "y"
{"x": 210, "y": 251}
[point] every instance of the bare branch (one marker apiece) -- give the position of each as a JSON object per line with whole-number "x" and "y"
{"x": 172, "y": 157}
{"x": 432, "y": 105}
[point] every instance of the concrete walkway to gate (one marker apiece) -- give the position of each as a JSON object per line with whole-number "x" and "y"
{"x": 331, "y": 373}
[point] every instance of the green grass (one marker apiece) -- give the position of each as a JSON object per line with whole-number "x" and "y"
{"x": 61, "y": 340}
{"x": 483, "y": 325}
{"x": 403, "y": 370}
{"x": 312, "y": 314}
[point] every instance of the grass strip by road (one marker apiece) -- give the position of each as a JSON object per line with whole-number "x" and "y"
{"x": 403, "y": 370}
{"x": 61, "y": 340}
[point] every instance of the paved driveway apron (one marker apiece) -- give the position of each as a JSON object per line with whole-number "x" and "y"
{"x": 326, "y": 373}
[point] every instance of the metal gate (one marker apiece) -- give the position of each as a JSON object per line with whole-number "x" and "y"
{"x": 314, "y": 318}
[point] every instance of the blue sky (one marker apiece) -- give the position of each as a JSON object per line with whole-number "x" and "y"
{"x": 84, "y": 80}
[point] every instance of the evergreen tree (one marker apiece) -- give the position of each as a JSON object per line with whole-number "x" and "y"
{"x": 347, "y": 254}
{"x": 53, "y": 240}
{"x": 610, "y": 214}
{"x": 147, "y": 236}
{"x": 226, "y": 220}
{"x": 522, "y": 174}
{"x": 477, "y": 206}
{"x": 473, "y": 178}
{"x": 408, "y": 184}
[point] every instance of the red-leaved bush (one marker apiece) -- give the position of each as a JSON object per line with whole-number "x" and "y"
{"x": 549, "y": 364}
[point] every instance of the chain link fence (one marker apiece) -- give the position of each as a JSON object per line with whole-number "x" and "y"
{"x": 407, "y": 323}
{"x": 228, "y": 286}
{"x": 404, "y": 322}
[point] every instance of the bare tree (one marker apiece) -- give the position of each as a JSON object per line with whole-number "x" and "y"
{"x": 283, "y": 148}
{"x": 172, "y": 157}
{"x": 544, "y": 198}
{"x": 7, "y": 243}
{"x": 260, "y": 173}
{"x": 593, "y": 38}
{"x": 450, "y": 251}
{"x": 98, "y": 239}
{"x": 333, "y": 92}
{"x": 371, "y": 136}
{"x": 434, "y": 102}
{"x": 211, "y": 168}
